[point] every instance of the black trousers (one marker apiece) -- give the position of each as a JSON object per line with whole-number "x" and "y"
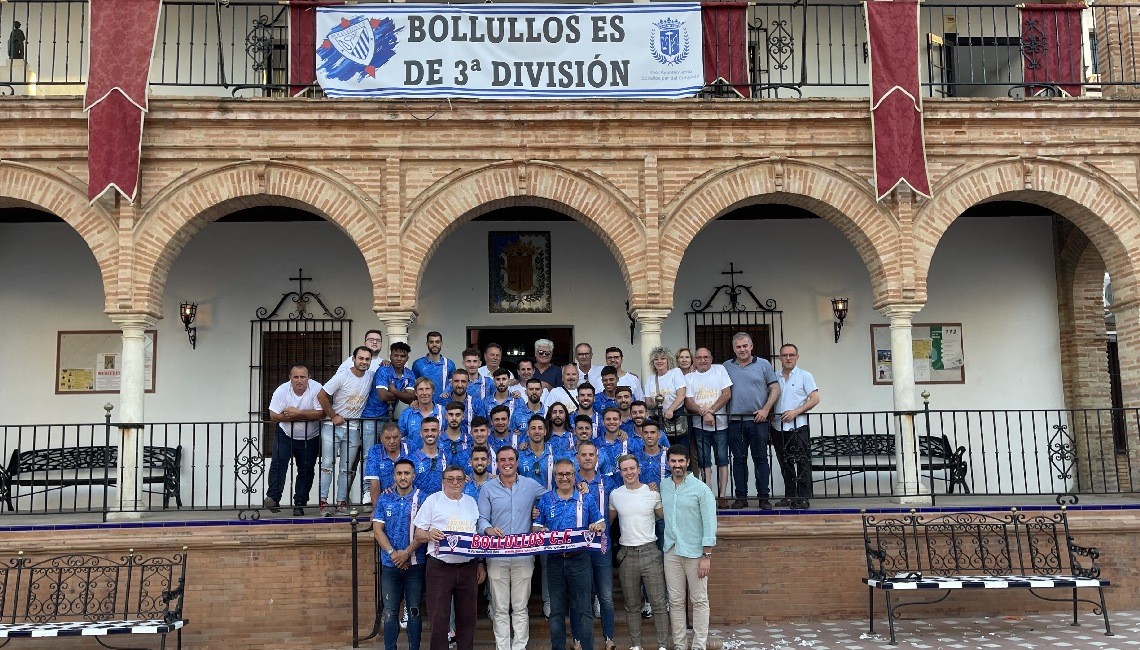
{"x": 444, "y": 581}
{"x": 792, "y": 454}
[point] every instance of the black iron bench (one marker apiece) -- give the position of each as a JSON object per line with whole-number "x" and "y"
{"x": 970, "y": 550}
{"x": 848, "y": 454}
{"x": 52, "y": 469}
{"x": 91, "y": 595}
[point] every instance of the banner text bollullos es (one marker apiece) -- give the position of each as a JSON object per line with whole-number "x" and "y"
{"x": 510, "y": 51}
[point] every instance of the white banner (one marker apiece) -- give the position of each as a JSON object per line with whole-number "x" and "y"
{"x": 510, "y": 50}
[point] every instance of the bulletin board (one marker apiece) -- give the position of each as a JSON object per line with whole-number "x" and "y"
{"x": 90, "y": 361}
{"x": 938, "y": 354}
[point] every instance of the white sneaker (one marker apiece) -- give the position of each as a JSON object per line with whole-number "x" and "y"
{"x": 636, "y": 647}
{"x": 404, "y": 618}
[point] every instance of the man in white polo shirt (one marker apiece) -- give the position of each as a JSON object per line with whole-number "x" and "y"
{"x": 798, "y": 395}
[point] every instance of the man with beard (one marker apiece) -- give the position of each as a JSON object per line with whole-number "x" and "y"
{"x": 434, "y": 365}
{"x": 454, "y": 441}
{"x": 472, "y": 407}
{"x": 533, "y": 406}
{"x": 690, "y": 535}
{"x": 342, "y": 399}
{"x": 429, "y": 460}
{"x": 478, "y": 476}
{"x": 402, "y": 558}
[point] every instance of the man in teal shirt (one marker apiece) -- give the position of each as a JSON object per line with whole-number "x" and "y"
{"x": 690, "y": 535}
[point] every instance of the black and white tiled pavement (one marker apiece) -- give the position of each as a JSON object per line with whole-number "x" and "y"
{"x": 1033, "y": 631}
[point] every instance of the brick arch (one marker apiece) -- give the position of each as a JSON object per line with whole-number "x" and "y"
{"x": 1093, "y": 202}
{"x": 65, "y": 197}
{"x": 182, "y": 209}
{"x": 459, "y": 197}
{"x": 842, "y": 199}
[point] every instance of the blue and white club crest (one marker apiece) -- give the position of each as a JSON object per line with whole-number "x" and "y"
{"x": 357, "y": 48}
{"x": 452, "y": 541}
{"x": 588, "y": 536}
{"x": 669, "y": 41}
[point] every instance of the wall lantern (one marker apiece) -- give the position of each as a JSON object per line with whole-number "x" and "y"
{"x": 839, "y": 306}
{"x": 188, "y": 310}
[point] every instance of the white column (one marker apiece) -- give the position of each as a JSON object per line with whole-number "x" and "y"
{"x": 907, "y": 489}
{"x": 396, "y": 324}
{"x": 132, "y": 389}
{"x": 649, "y": 321}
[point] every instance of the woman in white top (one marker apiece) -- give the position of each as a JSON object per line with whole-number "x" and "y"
{"x": 665, "y": 388}
{"x": 685, "y": 360}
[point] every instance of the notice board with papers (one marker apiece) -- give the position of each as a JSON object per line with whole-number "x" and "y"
{"x": 938, "y": 354}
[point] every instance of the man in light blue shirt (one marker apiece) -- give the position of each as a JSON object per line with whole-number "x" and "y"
{"x": 690, "y": 535}
{"x": 505, "y": 505}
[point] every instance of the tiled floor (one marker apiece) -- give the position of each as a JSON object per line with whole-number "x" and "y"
{"x": 1029, "y": 631}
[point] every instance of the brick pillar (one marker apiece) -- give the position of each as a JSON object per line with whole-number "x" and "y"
{"x": 1084, "y": 369}
{"x": 1117, "y": 31}
{"x": 1128, "y": 341}
{"x": 649, "y": 321}
{"x": 907, "y": 489}
{"x": 396, "y": 324}
{"x": 132, "y": 389}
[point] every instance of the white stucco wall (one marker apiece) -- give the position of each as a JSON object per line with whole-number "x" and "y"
{"x": 993, "y": 275}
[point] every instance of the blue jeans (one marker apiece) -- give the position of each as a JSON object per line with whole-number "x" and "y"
{"x": 570, "y": 579}
{"x": 704, "y": 447}
{"x": 340, "y": 441}
{"x": 410, "y": 585}
{"x": 302, "y": 452}
{"x": 746, "y": 435}
{"x": 603, "y": 569}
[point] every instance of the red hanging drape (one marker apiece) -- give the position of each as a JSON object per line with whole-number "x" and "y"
{"x": 1051, "y": 45}
{"x": 303, "y": 42}
{"x": 896, "y": 99}
{"x": 725, "y": 33}
{"x": 116, "y": 96}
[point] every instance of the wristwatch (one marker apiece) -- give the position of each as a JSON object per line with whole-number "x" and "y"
{"x": 391, "y": 551}
{"x": 706, "y": 554}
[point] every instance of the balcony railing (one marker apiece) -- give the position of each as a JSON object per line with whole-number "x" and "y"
{"x": 221, "y": 466}
{"x": 796, "y": 48}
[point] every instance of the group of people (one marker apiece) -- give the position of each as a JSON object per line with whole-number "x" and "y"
{"x": 474, "y": 448}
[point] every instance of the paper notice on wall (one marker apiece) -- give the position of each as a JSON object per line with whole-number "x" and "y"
{"x": 922, "y": 369}
{"x": 71, "y": 379}
{"x": 107, "y": 372}
{"x": 947, "y": 353}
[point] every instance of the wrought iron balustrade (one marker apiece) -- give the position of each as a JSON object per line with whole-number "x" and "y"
{"x": 796, "y": 48}
{"x": 1063, "y": 454}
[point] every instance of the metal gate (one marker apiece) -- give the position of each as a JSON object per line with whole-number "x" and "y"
{"x": 278, "y": 341}
{"x": 711, "y": 326}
